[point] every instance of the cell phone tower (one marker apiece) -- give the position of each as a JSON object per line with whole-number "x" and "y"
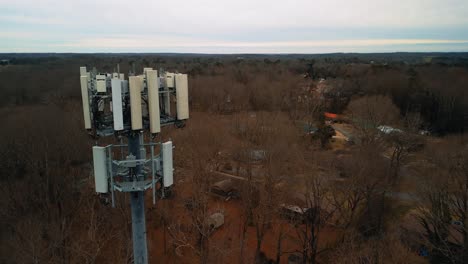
{"x": 126, "y": 109}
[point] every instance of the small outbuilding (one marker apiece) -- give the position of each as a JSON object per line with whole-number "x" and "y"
{"x": 215, "y": 220}
{"x": 224, "y": 188}
{"x": 388, "y": 129}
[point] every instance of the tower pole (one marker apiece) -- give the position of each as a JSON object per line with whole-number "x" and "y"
{"x": 137, "y": 203}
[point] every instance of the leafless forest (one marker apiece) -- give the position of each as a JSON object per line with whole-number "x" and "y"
{"x": 336, "y": 158}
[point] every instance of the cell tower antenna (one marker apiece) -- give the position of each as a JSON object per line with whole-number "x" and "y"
{"x": 129, "y": 108}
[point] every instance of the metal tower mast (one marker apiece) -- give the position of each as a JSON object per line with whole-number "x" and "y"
{"x": 137, "y": 203}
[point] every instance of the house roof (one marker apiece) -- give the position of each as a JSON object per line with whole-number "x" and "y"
{"x": 224, "y": 185}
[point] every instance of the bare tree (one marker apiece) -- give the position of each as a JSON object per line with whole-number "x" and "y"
{"x": 401, "y": 145}
{"x": 200, "y": 212}
{"x": 387, "y": 249}
{"x": 315, "y": 214}
{"x": 367, "y": 180}
{"x": 369, "y": 112}
{"x": 249, "y": 194}
{"x": 444, "y": 200}
{"x": 347, "y": 199}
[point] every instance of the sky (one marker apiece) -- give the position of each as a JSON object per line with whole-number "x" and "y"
{"x": 233, "y": 26}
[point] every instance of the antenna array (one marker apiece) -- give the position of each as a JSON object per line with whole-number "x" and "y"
{"x": 124, "y": 108}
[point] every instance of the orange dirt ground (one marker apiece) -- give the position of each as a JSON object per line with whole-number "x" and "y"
{"x": 224, "y": 242}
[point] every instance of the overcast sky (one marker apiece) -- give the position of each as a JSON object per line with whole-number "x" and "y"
{"x": 233, "y": 26}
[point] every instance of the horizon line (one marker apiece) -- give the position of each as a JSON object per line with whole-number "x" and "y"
{"x": 233, "y": 53}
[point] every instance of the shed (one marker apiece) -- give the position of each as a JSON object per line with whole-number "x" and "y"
{"x": 224, "y": 188}
{"x": 252, "y": 156}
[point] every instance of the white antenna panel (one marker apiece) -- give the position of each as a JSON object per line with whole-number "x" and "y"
{"x": 135, "y": 102}
{"x": 100, "y": 169}
{"x": 85, "y": 99}
{"x": 115, "y": 75}
{"x": 100, "y": 83}
{"x": 169, "y": 80}
{"x": 182, "y": 96}
{"x": 168, "y": 171}
{"x": 117, "y": 112}
{"x": 122, "y": 76}
{"x": 152, "y": 80}
{"x": 82, "y": 71}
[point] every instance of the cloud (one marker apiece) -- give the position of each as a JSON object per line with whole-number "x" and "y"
{"x": 158, "y": 42}
{"x": 168, "y": 44}
{"x": 24, "y": 19}
{"x": 231, "y": 25}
